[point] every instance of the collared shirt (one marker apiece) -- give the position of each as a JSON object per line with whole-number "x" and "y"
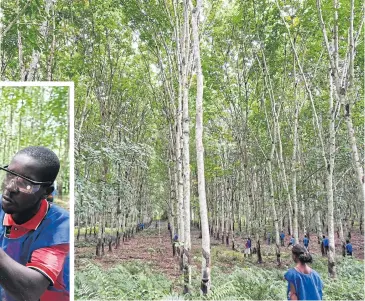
{"x": 48, "y": 261}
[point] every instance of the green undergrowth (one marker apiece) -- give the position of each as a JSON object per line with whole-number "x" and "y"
{"x": 82, "y": 231}
{"x": 349, "y": 284}
{"x": 244, "y": 280}
{"x": 129, "y": 281}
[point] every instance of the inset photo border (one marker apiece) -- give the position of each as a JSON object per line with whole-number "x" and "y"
{"x": 37, "y": 121}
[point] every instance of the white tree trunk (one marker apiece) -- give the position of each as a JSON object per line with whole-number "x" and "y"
{"x": 186, "y": 151}
{"x": 330, "y": 168}
{"x": 222, "y": 213}
{"x": 294, "y": 175}
{"x": 205, "y": 284}
{"x": 304, "y": 221}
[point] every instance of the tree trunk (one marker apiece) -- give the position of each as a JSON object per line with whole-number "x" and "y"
{"x": 186, "y": 152}
{"x": 205, "y": 282}
{"x": 100, "y": 237}
{"x": 330, "y": 168}
{"x": 222, "y": 214}
{"x": 340, "y": 232}
{"x": 295, "y": 163}
{"x": 78, "y": 226}
{"x": 258, "y": 249}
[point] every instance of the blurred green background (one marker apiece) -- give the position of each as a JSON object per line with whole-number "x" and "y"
{"x": 32, "y": 116}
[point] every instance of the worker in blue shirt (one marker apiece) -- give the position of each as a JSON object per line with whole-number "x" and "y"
{"x": 304, "y": 283}
{"x": 348, "y": 247}
{"x": 282, "y": 237}
{"x": 268, "y": 237}
{"x": 291, "y": 242}
{"x": 325, "y": 244}
{"x": 306, "y": 242}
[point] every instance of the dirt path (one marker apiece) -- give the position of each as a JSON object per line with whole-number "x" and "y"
{"x": 151, "y": 246}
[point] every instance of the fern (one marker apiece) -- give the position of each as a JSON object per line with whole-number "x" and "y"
{"x": 130, "y": 281}
{"x": 136, "y": 281}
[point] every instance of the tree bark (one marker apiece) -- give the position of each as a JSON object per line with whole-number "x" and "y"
{"x": 205, "y": 283}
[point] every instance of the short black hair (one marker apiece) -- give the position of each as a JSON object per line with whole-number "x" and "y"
{"x": 47, "y": 159}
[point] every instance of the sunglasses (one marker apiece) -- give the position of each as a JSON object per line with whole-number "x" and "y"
{"x": 16, "y": 182}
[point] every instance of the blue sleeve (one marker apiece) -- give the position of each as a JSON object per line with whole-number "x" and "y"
{"x": 319, "y": 285}
{"x": 287, "y": 277}
{"x": 290, "y": 277}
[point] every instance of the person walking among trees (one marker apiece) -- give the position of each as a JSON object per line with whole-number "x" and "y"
{"x": 320, "y": 239}
{"x": 248, "y": 247}
{"x": 291, "y": 242}
{"x": 282, "y": 237}
{"x": 34, "y": 234}
{"x": 325, "y": 243}
{"x": 306, "y": 242}
{"x": 304, "y": 283}
{"x": 348, "y": 247}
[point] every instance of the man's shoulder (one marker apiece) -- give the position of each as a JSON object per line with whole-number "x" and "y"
{"x": 57, "y": 219}
{"x": 58, "y": 212}
{"x": 54, "y": 229}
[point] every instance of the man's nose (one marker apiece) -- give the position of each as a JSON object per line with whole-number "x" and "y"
{"x": 11, "y": 187}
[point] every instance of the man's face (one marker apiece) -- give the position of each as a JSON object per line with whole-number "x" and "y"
{"x": 14, "y": 201}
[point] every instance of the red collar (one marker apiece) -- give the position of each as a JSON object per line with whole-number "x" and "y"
{"x": 34, "y": 222}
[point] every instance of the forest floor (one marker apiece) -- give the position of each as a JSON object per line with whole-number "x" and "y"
{"x": 152, "y": 246}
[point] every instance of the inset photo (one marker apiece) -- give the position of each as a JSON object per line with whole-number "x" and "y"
{"x": 35, "y": 192}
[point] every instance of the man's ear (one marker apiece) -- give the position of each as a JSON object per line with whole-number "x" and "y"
{"x": 49, "y": 190}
